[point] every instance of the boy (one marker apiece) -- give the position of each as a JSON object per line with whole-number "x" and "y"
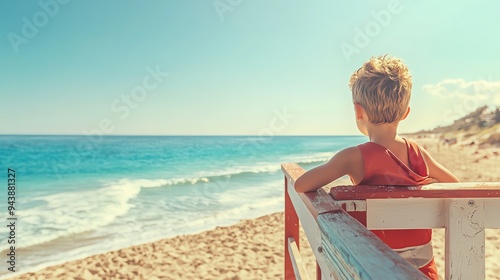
{"x": 381, "y": 91}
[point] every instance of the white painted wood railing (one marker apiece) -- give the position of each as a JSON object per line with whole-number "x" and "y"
{"x": 345, "y": 249}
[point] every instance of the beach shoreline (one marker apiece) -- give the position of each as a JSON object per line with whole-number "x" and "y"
{"x": 253, "y": 248}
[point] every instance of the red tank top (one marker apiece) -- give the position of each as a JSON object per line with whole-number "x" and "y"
{"x": 382, "y": 167}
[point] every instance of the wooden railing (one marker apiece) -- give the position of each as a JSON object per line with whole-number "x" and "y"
{"x": 345, "y": 249}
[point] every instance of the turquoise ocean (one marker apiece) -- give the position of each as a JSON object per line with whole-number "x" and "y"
{"x": 78, "y": 196}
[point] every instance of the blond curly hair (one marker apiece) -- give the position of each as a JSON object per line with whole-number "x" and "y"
{"x": 382, "y": 86}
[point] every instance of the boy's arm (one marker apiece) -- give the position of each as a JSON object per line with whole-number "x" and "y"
{"x": 338, "y": 166}
{"x": 437, "y": 171}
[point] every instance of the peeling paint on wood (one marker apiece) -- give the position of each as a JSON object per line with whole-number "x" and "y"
{"x": 464, "y": 243}
{"x": 360, "y": 253}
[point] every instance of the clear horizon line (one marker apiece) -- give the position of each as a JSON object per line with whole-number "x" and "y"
{"x": 188, "y": 135}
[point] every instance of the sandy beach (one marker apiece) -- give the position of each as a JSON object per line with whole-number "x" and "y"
{"x": 253, "y": 249}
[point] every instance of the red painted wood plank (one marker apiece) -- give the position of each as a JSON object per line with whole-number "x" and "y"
{"x": 439, "y": 190}
{"x": 318, "y": 272}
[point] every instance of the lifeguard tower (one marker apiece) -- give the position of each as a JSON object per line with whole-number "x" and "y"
{"x": 345, "y": 248}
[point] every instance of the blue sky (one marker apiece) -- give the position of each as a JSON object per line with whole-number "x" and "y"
{"x": 231, "y": 67}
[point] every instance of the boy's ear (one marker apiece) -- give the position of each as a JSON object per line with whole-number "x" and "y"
{"x": 358, "y": 109}
{"x": 406, "y": 114}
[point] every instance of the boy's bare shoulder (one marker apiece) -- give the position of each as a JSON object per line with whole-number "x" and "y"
{"x": 351, "y": 151}
{"x": 353, "y": 163}
{"x": 344, "y": 162}
{"x": 345, "y": 159}
{"x": 351, "y": 155}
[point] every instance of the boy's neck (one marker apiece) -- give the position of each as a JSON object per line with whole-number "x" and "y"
{"x": 383, "y": 133}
